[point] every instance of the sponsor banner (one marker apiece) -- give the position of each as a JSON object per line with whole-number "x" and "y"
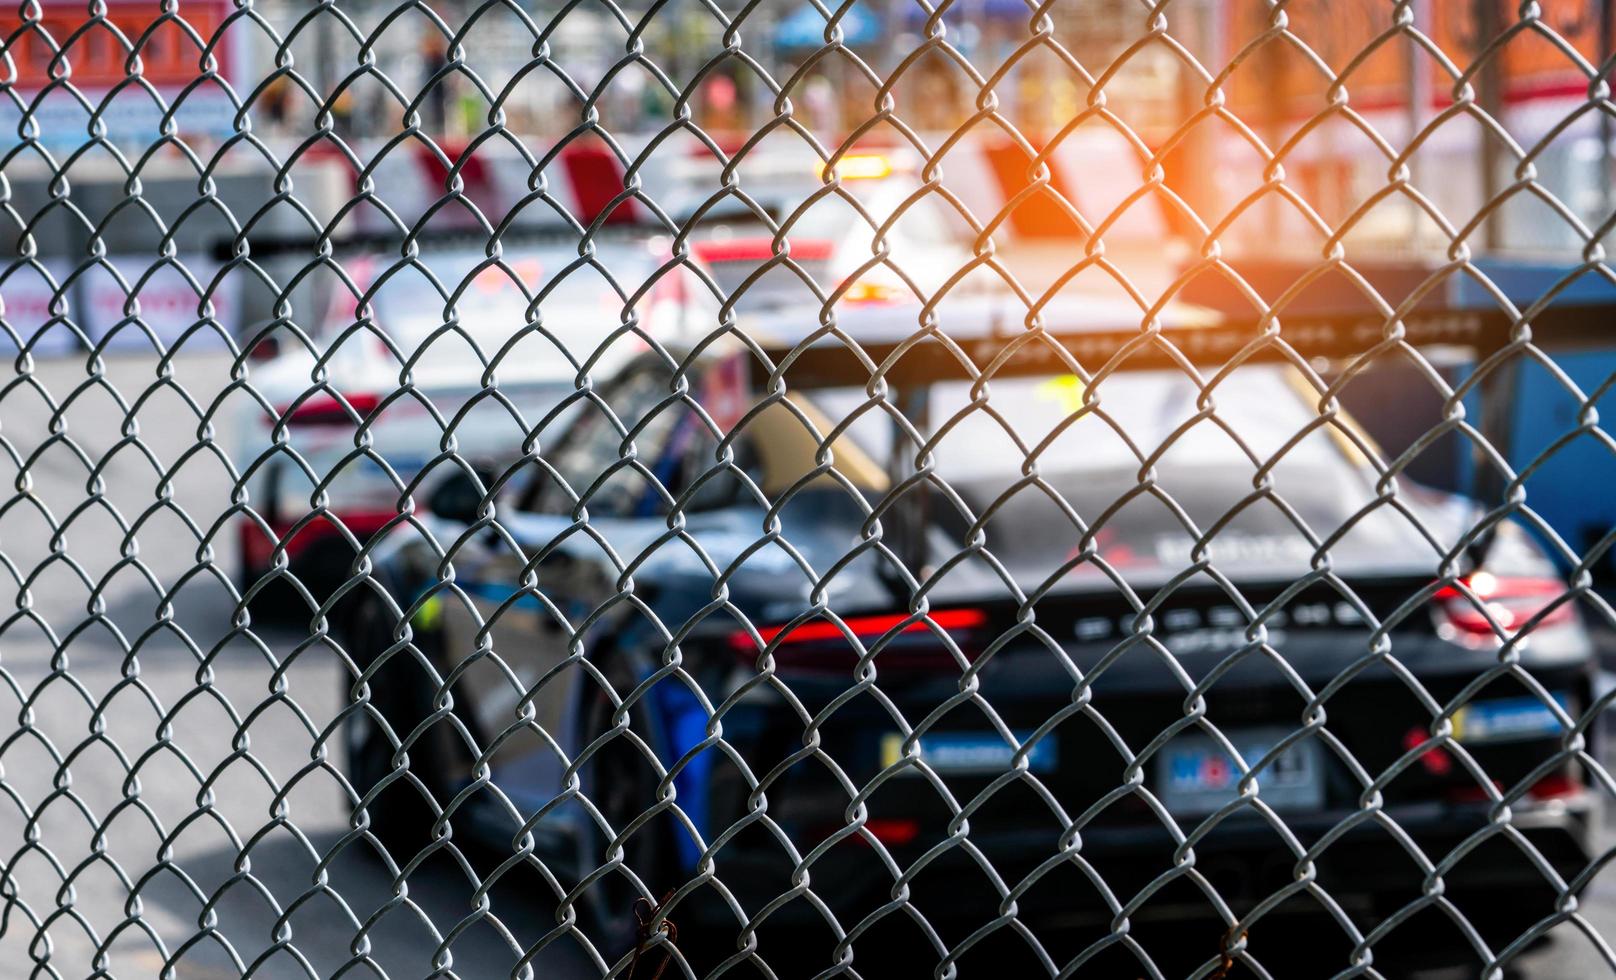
{"x": 169, "y": 306}
{"x": 130, "y": 117}
{"x": 30, "y": 297}
{"x": 1094, "y": 172}
{"x": 150, "y": 302}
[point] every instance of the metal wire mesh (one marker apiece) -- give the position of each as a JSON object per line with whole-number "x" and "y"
{"x": 700, "y": 635}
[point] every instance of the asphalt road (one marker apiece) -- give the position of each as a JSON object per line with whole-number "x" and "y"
{"x": 168, "y": 751}
{"x": 153, "y": 746}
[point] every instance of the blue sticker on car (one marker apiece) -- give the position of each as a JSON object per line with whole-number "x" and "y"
{"x": 1508, "y": 719}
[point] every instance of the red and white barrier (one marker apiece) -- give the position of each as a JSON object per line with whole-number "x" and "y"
{"x": 1094, "y": 172}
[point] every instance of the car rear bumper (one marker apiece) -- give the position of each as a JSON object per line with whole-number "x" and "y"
{"x": 1433, "y": 831}
{"x": 1372, "y": 869}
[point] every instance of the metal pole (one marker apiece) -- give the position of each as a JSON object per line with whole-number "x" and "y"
{"x": 1419, "y": 97}
{"x": 325, "y": 54}
{"x": 1274, "y": 100}
{"x": 910, "y": 521}
{"x": 1499, "y": 388}
{"x": 1195, "y": 167}
{"x": 1491, "y": 97}
{"x": 1606, "y": 176}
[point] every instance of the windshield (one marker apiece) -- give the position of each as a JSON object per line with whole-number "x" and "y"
{"x": 1030, "y": 457}
{"x": 1260, "y": 405}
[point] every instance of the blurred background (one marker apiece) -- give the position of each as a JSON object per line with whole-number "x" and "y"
{"x": 1327, "y": 83}
{"x": 1282, "y": 132}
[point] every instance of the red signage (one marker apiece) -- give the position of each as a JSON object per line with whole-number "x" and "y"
{"x": 97, "y": 54}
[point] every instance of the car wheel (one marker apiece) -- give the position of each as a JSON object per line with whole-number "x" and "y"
{"x": 276, "y": 603}
{"x": 401, "y": 693}
{"x": 622, "y": 784}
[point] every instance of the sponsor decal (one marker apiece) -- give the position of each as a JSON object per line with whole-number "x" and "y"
{"x": 1217, "y": 628}
{"x": 971, "y": 752}
{"x": 1508, "y": 719}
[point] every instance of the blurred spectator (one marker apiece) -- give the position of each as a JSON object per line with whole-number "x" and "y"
{"x": 277, "y": 102}
{"x": 938, "y": 105}
{"x": 720, "y": 103}
{"x": 434, "y": 58}
{"x": 655, "y": 104}
{"x": 470, "y": 108}
{"x": 818, "y": 104}
{"x": 342, "y": 112}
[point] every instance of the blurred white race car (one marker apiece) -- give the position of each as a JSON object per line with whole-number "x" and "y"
{"x": 444, "y": 359}
{"x": 876, "y": 238}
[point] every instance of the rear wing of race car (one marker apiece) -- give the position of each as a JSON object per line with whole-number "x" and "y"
{"x": 925, "y": 357}
{"x": 1436, "y": 310}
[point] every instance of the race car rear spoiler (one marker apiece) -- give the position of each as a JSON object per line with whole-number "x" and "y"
{"x": 1215, "y": 325}
{"x": 922, "y": 358}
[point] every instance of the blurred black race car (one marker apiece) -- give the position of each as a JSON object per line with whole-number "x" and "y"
{"x": 1071, "y": 654}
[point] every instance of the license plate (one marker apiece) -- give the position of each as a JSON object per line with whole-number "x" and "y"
{"x": 972, "y": 753}
{"x": 1508, "y": 719}
{"x": 1194, "y": 775}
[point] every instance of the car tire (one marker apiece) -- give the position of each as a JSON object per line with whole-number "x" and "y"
{"x": 622, "y": 785}
{"x": 279, "y": 603}
{"x": 401, "y": 695}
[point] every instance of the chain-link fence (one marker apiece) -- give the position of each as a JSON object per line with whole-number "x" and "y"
{"x": 1092, "y": 488}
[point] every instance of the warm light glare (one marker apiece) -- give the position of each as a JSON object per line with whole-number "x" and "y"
{"x": 859, "y": 167}
{"x": 864, "y": 291}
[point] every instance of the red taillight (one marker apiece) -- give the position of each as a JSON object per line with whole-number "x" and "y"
{"x": 1554, "y": 786}
{"x": 863, "y": 627}
{"x": 1436, "y": 761}
{"x": 324, "y": 409}
{"x": 890, "y": 831}
{"x": 759, "y": 249}
{"x": 821, "y": 646}
{"x": 1508, "y": 602}
{"x": 1472, "y": 793}
{"x": 266, "y": 349}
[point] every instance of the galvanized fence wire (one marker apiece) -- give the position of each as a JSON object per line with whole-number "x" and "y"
{"x": 402, "y": 619}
